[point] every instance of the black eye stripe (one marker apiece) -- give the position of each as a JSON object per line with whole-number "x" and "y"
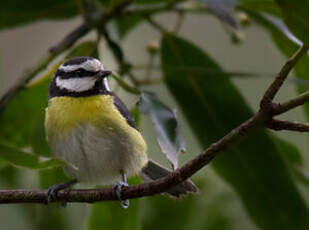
{"x": 76, "y": 73}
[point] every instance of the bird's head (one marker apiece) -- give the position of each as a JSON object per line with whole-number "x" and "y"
{"x": 80, "y": 76}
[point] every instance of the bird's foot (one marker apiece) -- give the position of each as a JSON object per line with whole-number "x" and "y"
{"x": 53, "y": 190}
{"x": 118, "y": 189}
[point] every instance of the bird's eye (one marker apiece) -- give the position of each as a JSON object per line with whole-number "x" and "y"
{"x": 80, "y": 72}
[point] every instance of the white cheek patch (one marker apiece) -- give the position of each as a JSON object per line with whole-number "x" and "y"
{"x": 106, "y": 85}
{"x": 92, "y": 65}
{"x": 76, "y": 84}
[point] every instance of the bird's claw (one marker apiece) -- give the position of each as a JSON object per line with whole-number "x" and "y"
{"x": 53, "y": 190}
{"x": 118, "y": 189}
{"x": 51, "y": 194}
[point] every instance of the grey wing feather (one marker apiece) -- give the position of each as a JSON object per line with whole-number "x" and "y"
{"x": 124, "y": 111}
{"x": 155, "y": 171}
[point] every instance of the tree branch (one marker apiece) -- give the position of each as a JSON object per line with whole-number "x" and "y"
{"x": 291, "y": 104}
{"x": 259, "y": 120}
{"x": 281, "y": 77}
{"x": 69, "y": 40}
{"x": 287, "y": 125}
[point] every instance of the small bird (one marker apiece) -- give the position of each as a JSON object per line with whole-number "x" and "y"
{"x": 91, "y": 129}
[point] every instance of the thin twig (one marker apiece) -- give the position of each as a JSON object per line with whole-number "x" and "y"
{"x": 124, "y": 65}
{"x": 291, "y": 104}
{"x": 156, "y": 25}
{"x": 179, "y": 22}
{"x": 281, "y": 77}
{"x": 259, "y": 120}
{"x": 70, "y": 39}
{"x": 124, "y": 85}
{"x": 287, "y": 125}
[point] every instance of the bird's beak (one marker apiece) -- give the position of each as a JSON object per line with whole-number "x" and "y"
{"x": 104, "y": 73}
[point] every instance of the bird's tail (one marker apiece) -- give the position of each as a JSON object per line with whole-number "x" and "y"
{"x": 155, "y": 171}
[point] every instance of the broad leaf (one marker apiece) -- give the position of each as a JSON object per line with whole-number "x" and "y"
{"x": 21, "y": 158}
{"x": 169, "y": 213}
{"x": 166, "y": 125}
{"x": 18, "y": 12}
{"x": 126, "y": 24}
{"x": 294, "y": 157}
{"x": 110, "y": 215}
{"x": 223, "y": 9}
{"x": 254, "y": 167}
{"x": 209, "y": 212}
{"x": 267, "y": 6}
{"x": 296, "y": 17}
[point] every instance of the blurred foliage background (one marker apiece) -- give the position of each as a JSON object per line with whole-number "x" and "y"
{"x": 212, "y": 60}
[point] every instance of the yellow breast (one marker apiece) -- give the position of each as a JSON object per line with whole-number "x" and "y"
{"x": 65, "y": 113}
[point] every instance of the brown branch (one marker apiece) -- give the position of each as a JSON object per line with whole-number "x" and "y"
{"x": 141, "y": 190}
{"x": 281, "y": 77}
{"x": 287, "y": 125}
{"x": 69, "y": 40}
{"x": 291, "y": 104}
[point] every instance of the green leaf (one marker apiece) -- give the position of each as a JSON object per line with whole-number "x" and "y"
{"x": 116, "y": 50}
{"x": 110, "y": 215}
{"x": 19, "y": 12}
{"x": 289, "y": 151}
{"x": 21, "y": 158}
{"x": 126, "y": 24}
{"x": 294, "y": 157}
{"x": 152, "y": 1}
{"x": 166, "y": 125}
{"x": 267, "y": 6}
{"x": 169, "y": 213}
{"x": 296, "y": 17}
{"x": 209, "y": 212}
{"x": 223, "y": 9}
{"x": 254, "y": 167}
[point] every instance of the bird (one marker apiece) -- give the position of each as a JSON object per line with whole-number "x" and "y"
{"x": 90, "y": 128}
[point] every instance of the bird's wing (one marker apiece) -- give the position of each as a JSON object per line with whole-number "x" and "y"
{"x": 154, "y": 171}
{"x": 124, "y": 111}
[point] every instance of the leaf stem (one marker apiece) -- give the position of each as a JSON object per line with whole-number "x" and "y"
{"x": 125, "y": 85}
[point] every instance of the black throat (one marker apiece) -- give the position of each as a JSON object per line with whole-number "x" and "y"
{"x": 97, "y": 89}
